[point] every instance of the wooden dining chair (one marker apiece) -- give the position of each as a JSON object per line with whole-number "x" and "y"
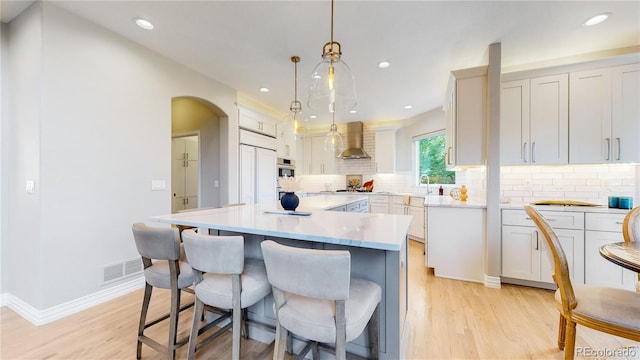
{"x": 610, "y": 310}
{"x": 631, "y": 231}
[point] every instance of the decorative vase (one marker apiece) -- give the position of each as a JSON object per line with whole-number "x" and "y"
{"x": 289, "y": 201}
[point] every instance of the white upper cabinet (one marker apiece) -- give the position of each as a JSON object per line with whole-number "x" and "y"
{"x": 385, "y": 151}
{"x": 286, "y": 142}
{"x": 535, "y": 121}
{"x": 625, "y": 126}
{"x": 590, "y": 117}
{"x": 255, "y": 121}
{"x": 466, "y": 117}
{"x": 313, "y": 160}
{"x": 514, "y": 122}
{"x": 549, "y": 120}
{"x": 605, "y": 115}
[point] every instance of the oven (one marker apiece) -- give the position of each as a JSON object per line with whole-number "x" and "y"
{"x": 286, "y": 167}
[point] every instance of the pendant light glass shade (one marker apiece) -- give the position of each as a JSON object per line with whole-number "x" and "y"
{"x": 333, "y": 141}
{"x": 332, "y": 83}
{"x": 294, "y": 121}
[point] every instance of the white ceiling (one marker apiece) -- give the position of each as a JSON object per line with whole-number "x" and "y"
{"x": 248, "y": 44}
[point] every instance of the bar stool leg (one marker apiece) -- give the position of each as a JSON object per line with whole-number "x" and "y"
{"x": 143, "y": 317}
{"x": 173, "y": 322}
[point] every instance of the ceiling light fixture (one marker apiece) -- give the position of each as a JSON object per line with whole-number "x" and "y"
{"x": 333, "y": 140}
{"x": 408, "y": 107}
{"x": 145, "y": 24}
{"x": 332, "y": 83}
{"x": 294, "y": 120}
{"x": 596, "y": 19}
{"x": 264, "y": 90}
{"x": 384, "y": 64}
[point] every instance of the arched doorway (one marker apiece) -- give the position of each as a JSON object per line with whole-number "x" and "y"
{"x": 196, "y": 151}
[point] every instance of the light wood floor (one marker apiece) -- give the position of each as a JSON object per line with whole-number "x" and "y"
{"x": 448, "y": 319}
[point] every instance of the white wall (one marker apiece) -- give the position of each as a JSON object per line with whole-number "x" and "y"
{"x": 4, "y": 100}
{"x": 434, "y": 120}
{"x": 22, "y": 242}
{"x": 92, "y": 126}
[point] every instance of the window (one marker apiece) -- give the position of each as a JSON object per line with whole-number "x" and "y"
{"x": 430, "y": 155}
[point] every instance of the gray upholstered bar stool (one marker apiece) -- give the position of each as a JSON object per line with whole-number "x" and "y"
{"x": 316, "y": 298}
{"x": 160, "y": 251}
{"x": 224, "y": 279}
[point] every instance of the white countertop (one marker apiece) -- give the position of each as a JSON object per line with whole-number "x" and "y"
{"x": 585, "y": 209}
{"x": 375, "y": 231}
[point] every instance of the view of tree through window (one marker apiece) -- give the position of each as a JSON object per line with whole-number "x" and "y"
{"x": 431, "y": 153}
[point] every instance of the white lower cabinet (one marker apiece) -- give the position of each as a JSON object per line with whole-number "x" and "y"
{"x": 379, "y": 204}
{"x": 525, "y": 253}
{"x": 602, "y": 229}
{"x": 414, "y": 206}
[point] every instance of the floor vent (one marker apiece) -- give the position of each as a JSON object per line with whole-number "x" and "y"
{"x": 120, "y": 270}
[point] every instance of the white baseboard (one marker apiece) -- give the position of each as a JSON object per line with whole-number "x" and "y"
{"x": 41, "y": 317}
{"x": 492, "y": 281}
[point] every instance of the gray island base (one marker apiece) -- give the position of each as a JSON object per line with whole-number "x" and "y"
{"x": 377, "y": 243}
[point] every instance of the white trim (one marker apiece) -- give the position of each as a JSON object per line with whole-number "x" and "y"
{"x": 41, "y": 317}
{"x": 492, "y": 281}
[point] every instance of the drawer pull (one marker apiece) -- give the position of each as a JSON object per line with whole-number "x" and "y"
{"x": 619, "y": 222}
{"x": 537, "y": 242}
{"x": 528, "y": 218}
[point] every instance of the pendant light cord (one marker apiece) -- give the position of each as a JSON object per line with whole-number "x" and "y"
{"x": 331, "y": 25}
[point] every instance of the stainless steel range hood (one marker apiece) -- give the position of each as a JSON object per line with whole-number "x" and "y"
{"x": 355, "y": 143}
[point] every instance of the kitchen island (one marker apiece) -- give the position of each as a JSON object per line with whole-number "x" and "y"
{"x": 377, "y": 243}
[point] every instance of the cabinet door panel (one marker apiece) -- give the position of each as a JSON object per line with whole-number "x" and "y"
{"x": 572, "y": 242}
{"x": 549, "y": 115}
{"x": 266, "y": 176}
{"x": 626, "y": 112}
{"x": 600, "y": 271}
{"x": 590, "y": 117}
{"x": 514, "y": 123}
{"x": 247, "y": 174}
{"x": 416, "y": 229}
{"x": 520, "y": 253}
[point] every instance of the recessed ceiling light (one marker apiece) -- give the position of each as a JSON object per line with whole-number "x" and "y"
{"x": 596, "y": 19}
{"x": 383, "y": 64}
{"x": 408, "y": 107}
{"x": 145, "y": 24}
{"x": 264, "y": 90}
{"x": 353, "y": 111}
{"x": 313, "y": 117}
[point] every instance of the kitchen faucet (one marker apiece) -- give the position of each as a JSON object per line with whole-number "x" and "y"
{"x": 428, "y": 184}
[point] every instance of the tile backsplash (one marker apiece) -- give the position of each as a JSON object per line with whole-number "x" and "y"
{"x": 591, "y": 183}
{"x": 519, "y": 184}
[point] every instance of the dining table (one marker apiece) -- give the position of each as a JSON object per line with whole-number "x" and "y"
{"x": 625, "y": 254}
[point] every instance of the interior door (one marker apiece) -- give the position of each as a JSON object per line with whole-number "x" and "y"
{"x": 184, "y": 173}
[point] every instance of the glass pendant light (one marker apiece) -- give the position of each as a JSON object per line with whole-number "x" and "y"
{"x": 332, "y": 84}
{"x": 294, "y": 120}
{"x": 333, "y": 141}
